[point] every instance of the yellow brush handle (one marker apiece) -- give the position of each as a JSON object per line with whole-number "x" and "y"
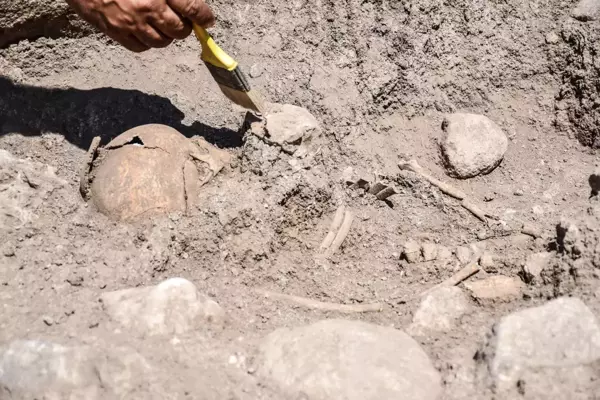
{"x": 211, "y": 52}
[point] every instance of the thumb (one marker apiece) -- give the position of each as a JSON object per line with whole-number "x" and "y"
{"x": 197, "y": 11}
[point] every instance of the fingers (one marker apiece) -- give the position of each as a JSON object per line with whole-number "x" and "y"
{"x": 196, "y": 11}
{"x": 171, "y": 25}
{"x": 152, "y": 37}
{"x": 140, "y": 25}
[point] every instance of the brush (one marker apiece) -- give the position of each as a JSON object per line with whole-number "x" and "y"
{"x": 228, "y": 75}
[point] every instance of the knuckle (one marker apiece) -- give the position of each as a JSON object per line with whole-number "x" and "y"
{"x": 191, "y": 7}
{"x": 147, "y": 6}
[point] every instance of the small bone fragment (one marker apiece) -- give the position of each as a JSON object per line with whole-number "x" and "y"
{"x": 376, "y": 188}
{"x": 319, "y": 305}
{"x": 333, "y": 228}
{"x": 385, "y": 193}
{"x": 84, "y": 182}
{"x": 342, "y": 233}
{"x": 473, "y": 209}
{"x": 531, "y": 230}
{"x": 465, "y": 273}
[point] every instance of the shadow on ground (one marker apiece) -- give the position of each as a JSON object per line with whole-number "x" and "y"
{"x": 80, "y": 115}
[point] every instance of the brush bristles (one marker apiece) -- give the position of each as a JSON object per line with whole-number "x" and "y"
{"x": 236, "y": 88}
{"x": 250, "y": 100}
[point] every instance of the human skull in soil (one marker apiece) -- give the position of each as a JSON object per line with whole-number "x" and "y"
{"x": 147, "y": 171}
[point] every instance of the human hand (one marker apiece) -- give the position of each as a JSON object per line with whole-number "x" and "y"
{"x": 143, "y": 24}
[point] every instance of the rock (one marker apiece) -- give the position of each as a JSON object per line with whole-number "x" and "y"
{"x": 440, "y": 311}
{"x": 172, "y": 307}
{"x": 351, "y": 360}
{"x": 472, "y": 145}
{"x": 463, "y": 254}
{"x": 32, "y": 367}
{"x": 150, "y": 170}
{"x": 568, "y": 238}
{"x": 486, "y": 261}
{"x": 595, "y": 182}
{"x": 290, "y": 127}
{"x": 534, "y": 266}
{"x": 39, "y": 369}
{"x": 528, "y": 345}
{"x": 537, "y": 210}
{"x": 495, "y": 287}
{"x": 412, "y": 251}
{"x": 552, "y": 38}
{"x": 444, "y": 253}
{"x": 429, "y": 251}
{"x": 255, "y": 71}
{"x": 587, "y": 10}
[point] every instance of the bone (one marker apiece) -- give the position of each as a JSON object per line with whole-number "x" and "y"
{"x": 342, "y": 233}
{"x": 334, "y": 227}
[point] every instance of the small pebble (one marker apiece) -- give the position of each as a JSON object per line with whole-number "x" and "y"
{"x": 412, "y": 251}
{"x": 518, "y": 192}
{"x": 444, "y": 253}
{"x": 552, "y": 38}
{"x": 48, "y": 321}
{"x": 486, "y": 261}
{"x": 429, "y": 251}
{"x": 255, "y": 71}
{"x": 463, "y": 254}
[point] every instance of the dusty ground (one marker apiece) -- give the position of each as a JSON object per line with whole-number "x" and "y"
{"x": 379, "y": 76}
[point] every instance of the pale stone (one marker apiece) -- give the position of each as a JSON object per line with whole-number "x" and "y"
{"x": 412, "y": 251}
{"x": 173, "y": 307}
{"x": 350, "y": 360}
{"x": 545, "y": 346}
{"x": 495, "y": 287}
{"x": 440, "y": 311}
{"x": 472, "y": 145}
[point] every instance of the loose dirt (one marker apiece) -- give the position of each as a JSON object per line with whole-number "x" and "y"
{"x": 379, "y": 77}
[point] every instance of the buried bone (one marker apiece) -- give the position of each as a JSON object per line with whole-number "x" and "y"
{"x": 413, "y": 166}
{"x": 147, "y": 171}
{"x": 338, "y": 230}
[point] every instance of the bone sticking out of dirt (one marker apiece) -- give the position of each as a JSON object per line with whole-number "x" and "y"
{"x": 334, "y": 227}
{"x": 413, "y": 166}
{"x": 321, "y": 306}
{"x": 341, "y": 234}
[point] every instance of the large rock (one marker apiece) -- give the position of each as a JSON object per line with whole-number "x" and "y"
{"x": 440, "y": 311}
{"x": 291, "y": 128}
{"x": 587, "y": 10}
{"x": 472, "y": 145}
{"x": 544, "y": 349}
{"x": 38, "y": 369}
{"x": 347, "y": 360}
{"x": 173, "y": 307}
